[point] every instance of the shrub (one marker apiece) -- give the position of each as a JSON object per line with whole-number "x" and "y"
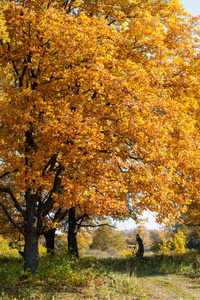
{"x": 179, "y": 243}
{"x": 5, "y": 249}
{"x": 126, "y": 253}
{"x": 165, "y": 247}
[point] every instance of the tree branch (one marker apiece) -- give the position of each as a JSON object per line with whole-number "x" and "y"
{"x": 47, "y": 205}
{"x": 17, "y": 206}
{"x": 10, "y": 219}
{"x": 23, "y": 73}
{"x": 8, "y": 173}
{"x": 65, "y": 4}
{"x": 50, "y": 164}
{"x": 194, "y": 225}
{"x": 60, "y": 214}
{"x": 135, "y": 158}
{"x": 15, "y": 68}
{"x": 81, "y": 220}
{"x": 98, "y": 225}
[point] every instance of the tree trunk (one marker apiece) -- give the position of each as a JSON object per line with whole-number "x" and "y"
{"x": 50, "y": 238}
{"x": 33, "y": 225}
{"x": 72, "y": 241}
{"x": 140, "y": 251}
{"x": 31, "y": 255}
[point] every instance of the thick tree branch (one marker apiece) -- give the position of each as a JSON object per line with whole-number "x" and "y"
{"x": 81, "y": 221}
{"x": 135, "y": 158}
{"x": 50, "y": 164}
{"x": 10, "y": 219}
{"x": 22, "y": 75}
{"x": 192, "y": 225}
{"x": 82, "y": 217}
{"x": 65, "y": 3}
{"x": 17, "y": 206}
{"x": 59, "y": 217}
{"x": 57, "y": 180}
{"x": 15, "y": 68}
{"x": 8, "y": 173}
{"x": 98, "y": 225}
{"x": 47, "y": 205}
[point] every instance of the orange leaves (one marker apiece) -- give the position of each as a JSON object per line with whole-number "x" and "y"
{"x": 3, "y": 30}
{"x": 109, "y": 87}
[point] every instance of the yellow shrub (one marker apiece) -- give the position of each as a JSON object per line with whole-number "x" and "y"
{"x": 5, "y": 250}
{"x": 42, "y": 250}
{"x": 179, "y": 243}
{"x": 127, "y": 253}
{"x": 165, "y": 247}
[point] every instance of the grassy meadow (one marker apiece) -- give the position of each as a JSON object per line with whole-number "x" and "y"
{"x": 100, "y": 277}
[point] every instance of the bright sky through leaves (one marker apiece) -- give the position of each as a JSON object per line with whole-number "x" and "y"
{"x": 192, "y": 6}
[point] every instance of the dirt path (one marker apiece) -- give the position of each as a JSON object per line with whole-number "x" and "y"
{"x": 158, "y": 287}
{"x": 169, "y": 287}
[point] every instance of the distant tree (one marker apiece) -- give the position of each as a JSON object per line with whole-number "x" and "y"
{"x": 119, "y": 240}
{"x": 61, "y": 243}
{"x": 130, "y": 241}
{"x": 146, "y": 237}
{"x": 193, "y": 236}
{"x": 107, "y": 238}
{"x": 84, "y": 240}
{"x": 156, "y": 235}
{"x": 191, "y": 232}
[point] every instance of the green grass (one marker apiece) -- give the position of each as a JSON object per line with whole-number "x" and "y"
{"x": 62, "y": 277}
{"x": 85, "y": 277}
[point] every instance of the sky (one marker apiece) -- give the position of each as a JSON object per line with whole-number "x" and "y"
{"x": 149, "y": 224}
{"x": 193, "y": 7}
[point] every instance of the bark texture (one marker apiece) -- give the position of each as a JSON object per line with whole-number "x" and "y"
{"x": 32, "y": 230}
{"x": 31, "y": 256}
{"x": 140, "y": 251}
{"x": 72, "y": 233}
{"x": 50, "y": 240}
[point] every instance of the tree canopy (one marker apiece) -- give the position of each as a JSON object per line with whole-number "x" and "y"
{"x": 97, "y": 109}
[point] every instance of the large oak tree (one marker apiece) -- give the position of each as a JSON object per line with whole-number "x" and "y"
{"x": 95, "y": 111}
